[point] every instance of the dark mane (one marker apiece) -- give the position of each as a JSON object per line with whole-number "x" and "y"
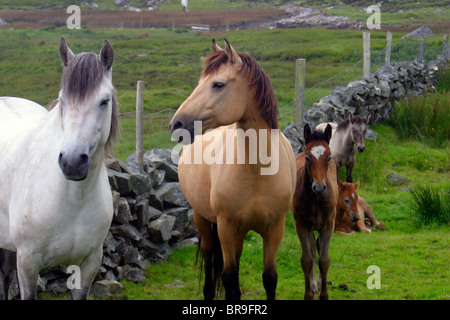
{"x": 344, "y": 123}
{"x": 82, "y": 77}
{"x": 257, "y": 79}
{"x": 318, "y": 135}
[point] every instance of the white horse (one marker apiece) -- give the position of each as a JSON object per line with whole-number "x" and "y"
{"x": 347, "y": 139}
{"x": 55, "y": 199}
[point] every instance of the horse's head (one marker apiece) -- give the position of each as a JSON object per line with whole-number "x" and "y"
{"x": 317, "y": 157}
{"x": 348, "y": 199}
{"x": 229, "y": 83}
{"x": 87, "y": 107}
{"x": 358, "y": 130}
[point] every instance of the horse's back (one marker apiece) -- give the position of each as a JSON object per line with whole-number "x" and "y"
{"x": 322, "y": 126}
{"x": 16, "y": 114}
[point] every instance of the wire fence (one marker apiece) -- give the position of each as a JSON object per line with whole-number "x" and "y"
{"x": 156, "y": 124}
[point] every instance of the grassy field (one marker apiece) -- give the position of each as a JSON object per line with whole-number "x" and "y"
{"x": 153, "y": 54}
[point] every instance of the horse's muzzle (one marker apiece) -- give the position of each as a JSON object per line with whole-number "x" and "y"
{"x": 319, "y": 188}
{"x": 353, "y": 216}
{"x": 361, "y": 148}
{"x": 74, "y": 166}
{"x": 182, "y": 129}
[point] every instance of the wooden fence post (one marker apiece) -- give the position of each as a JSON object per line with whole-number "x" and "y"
{"x": 421, "y": 50}
{"x": 387, "y": 60}
{"x": 300, "y": 65}
{"x": 140, "y": 124}
{"x": 366, "y": 53}
{"x": 445, "y": 50}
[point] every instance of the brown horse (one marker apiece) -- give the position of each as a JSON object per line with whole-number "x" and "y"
{"x": 347, "y": 140}
{"x": 353, "y": 213}
{"x": 226, "y": 182}
{"x": 314, "y": 207}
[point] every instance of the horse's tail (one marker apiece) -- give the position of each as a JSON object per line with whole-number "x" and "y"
{"x": 216, "y": 258}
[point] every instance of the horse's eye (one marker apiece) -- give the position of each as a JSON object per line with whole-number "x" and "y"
{"x": 328, "y": 158}
{"x": 218, "y": 85}
{"x": 104, "y": 103}
{"x": 307, "y": 158}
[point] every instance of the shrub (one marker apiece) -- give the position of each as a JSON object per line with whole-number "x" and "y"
{"x": 430, "y": 205}
{"x": 424, "y": 118}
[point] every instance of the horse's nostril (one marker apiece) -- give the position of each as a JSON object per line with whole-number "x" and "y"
{"x": 84, "y": 158}
{"x": 177, "y": 125}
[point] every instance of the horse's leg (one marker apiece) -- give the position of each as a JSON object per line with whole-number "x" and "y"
{"x": 271, "y": 243}
{"x": 88, "y": 270}
{"x": 206, "y": 245}
{"x": 230, "y": 274}
{"x": 349, "y": 170}
{"x": 239, "y": 247}
{"x": 27, "y": 274}
{"x": 313, "y": 280}
{"x": 307, "y": 259}
{"x": 323, "y": 244}
{"x": 368, "y": 212}
{"x": 7, "y": 267}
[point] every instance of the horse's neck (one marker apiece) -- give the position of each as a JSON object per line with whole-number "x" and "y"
{"x": 344, "y": 140}
{"x": 252, "y": 120}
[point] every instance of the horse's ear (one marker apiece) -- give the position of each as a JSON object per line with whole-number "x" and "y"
{"x": 215, "y": 47}
{"x": 350, "y": 117}
{"x": 307, "y": 133}
{"x": 366, "y": 119}
{"x": 64, "y": 52}
{"x": 357, "y": 185}
{"x": 340, "y": 185}
{"x": 107, "y": 55}
{"x": 328, "y": 132}
{"x": 232, "y": 54}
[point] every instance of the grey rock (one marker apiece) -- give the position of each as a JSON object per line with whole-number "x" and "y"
{"x": 397, "y": 180}
{"x": 160, "y": 230}
{"x": 105, "y": 288}
{"x": 142, "y": 213}
{"x": 126, "y": 232}
{"x": 171, "y": 195}
{"x": 123, "y": 215}
{"x": 161, "y": 159}
{"x": 421, "y": 32}
{"x": 295, "y": 137}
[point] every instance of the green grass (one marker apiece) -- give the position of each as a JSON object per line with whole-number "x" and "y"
{"x": 424, "y": 118}
{"x": 430, "y": 205}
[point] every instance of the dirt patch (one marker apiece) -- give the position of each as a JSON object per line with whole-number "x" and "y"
{"x": 100, "y": 19}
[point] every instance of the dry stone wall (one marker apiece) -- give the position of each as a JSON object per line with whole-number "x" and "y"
{"x": 374, "y": 95}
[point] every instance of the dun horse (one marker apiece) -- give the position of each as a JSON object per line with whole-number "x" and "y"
{"x": 229, "y": 199}
{"x": 55, "y": 199}
{"x": 347, "y": 139}
{"x": 353, "y": 213}
{"x": 314, "y": 207}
